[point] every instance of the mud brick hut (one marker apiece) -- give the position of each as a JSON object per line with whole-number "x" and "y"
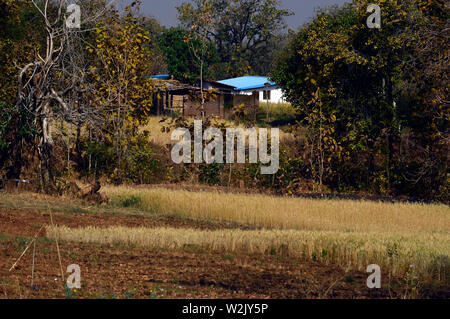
{"x": 176, "y": 97}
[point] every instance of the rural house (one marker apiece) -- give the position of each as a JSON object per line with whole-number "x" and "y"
{"x": 177, "y": 97}
{"x": 266, "y": 90}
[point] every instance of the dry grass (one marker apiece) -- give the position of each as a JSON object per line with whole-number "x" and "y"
{"x": 277, "y": 111}
{"x": 290, "y": 213}
{"x": 349, "y": 233}
{"x": 428, "y": 253}
{"x": 158, "y": 137}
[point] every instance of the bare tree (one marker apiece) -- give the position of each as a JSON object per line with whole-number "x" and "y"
{"x": 52, "y": 86}
{"x": 199, "y": 34}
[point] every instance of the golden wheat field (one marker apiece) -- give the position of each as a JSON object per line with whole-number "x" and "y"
{"x": 404, "y": 238}
{"x": 338, "y": 238}
{"x": 427, "y": 256}
{"x": 290, "y": 213}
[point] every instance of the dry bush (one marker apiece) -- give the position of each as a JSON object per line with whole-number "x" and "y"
{"x": 160, "y": 137}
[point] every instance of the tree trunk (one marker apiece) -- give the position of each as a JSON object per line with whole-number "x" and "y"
{"x": 201, "y": 90}
{"x": 45, "y": 149}
{"x": 391, "y": 131}
{"x": 15, "y": 169}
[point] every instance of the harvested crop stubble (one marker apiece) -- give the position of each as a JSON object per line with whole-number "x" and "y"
{"x": 428, "y": 253}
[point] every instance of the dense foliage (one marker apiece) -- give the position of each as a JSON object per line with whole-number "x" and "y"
{"x": 181, "y": 63}
{"x": 373, "y": 104}
{"x": 369, "y": 127}
{"x": 245, "y": 33}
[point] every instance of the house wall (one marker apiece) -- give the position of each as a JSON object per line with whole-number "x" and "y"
{"x": 276, "y": 96}
{"x": 212, "y": 108}
{"x": 247, "y": 100}
{"x": 217, "y": 106}
{"x": 250, "y": 100}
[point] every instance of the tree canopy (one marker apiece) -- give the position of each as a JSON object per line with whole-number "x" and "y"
{"x": 181, "y": 63}
{"x": 245, "y": 32}
{"x": 357, "y": 80}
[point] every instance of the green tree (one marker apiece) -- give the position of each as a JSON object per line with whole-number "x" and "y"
{"x": 245, "y": 32}
{"x": 360, "y": 73}
{"x": 122, "y": 89}
{"x": 181, "y": 63}
{"x": 155, "y": 31}
{"x": 53, "y": 76}
{"x": 19, "y": 38}
{"x": 425, "y": 85}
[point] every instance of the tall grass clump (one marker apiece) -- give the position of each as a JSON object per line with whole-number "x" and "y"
{"x": 277, "y": 111}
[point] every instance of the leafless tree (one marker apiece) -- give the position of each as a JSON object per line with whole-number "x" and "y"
{"x": 51, "y": 87}
{"x": 199, "y": 32}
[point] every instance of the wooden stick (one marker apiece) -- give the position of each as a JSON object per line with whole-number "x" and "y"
{"x": 32, "y": 267}
{"x": 35, "y": 237}
{"x": 22, "y": 255}
{"x": 57, "y": 249}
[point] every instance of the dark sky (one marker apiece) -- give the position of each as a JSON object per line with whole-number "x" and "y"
{"x": 165, "y": 10}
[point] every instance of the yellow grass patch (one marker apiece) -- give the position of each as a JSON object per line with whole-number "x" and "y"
{"x": 425, "y": 256}
{"x": 290, "y": 213}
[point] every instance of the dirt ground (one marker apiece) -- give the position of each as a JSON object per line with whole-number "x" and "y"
{"x": 135, "y": 272}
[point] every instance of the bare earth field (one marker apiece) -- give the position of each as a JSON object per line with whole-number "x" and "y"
{"x": 129, "y": 269}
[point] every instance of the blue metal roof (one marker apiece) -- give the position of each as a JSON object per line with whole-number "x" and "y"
{"x": 161, "y": 77}
{"x": 244, "y": 83}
